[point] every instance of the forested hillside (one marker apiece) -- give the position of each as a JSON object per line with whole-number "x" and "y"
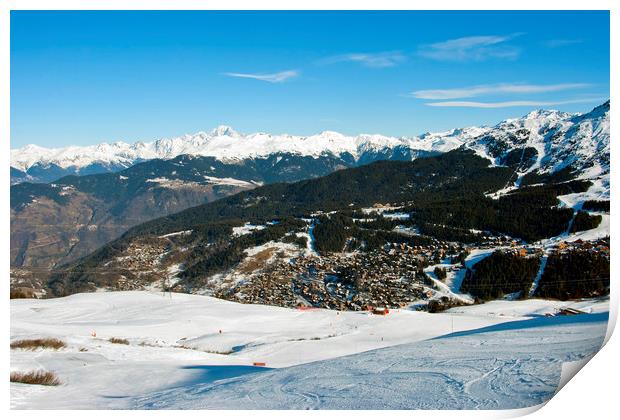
{"x": 440, "y": 198}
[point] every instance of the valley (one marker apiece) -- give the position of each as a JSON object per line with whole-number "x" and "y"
{"x": 335, "y": 234}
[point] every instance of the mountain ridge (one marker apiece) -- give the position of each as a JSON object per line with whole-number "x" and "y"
{"x": 32, "y": 163}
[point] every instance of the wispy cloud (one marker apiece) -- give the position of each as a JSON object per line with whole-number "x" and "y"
{"x": 479, "y": 90}
{"x": 267, "y": 77}
{"x": 377, "y": 60}
{"x": 556, "y": 43}
{"x": 509, "y": 104}
{"x": 472, "y": 48}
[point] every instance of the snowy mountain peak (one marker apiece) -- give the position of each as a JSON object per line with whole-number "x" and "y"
{"x": 224, "y": 130}
{"x": 330, "y": 134}
{"x": 546, "y": 114}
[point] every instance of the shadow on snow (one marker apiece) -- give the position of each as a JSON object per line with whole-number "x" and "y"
{"x": 539, "y": 321}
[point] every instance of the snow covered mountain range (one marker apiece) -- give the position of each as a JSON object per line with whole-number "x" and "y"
{"x": 555, "y": 140}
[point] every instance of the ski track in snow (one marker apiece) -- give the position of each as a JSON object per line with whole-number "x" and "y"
{"x": 451, "y": 286}
{"x": 494, "y": 368}
{"x": 541, "y": 270}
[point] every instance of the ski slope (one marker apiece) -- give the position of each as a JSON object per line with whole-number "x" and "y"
{"x": 507, "y": 366}
{"x": 189, "y": 351}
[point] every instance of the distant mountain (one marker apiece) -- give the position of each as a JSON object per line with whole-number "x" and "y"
{"x": 558, "y": 139}
{"x": 547, "y": 142}
{"x": 223, "y": 143}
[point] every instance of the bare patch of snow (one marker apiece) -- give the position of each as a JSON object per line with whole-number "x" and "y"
{"x": 180, "y": 233}
{"x": 246, "y": 229}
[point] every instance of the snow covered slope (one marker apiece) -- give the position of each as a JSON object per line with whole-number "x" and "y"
{"x": 559, "y": 139}
{"x": 490, "y": 368}
{"x": 556, "y": 140}
{"x": 189, "y": 351}
{"x": 223, "y": 143}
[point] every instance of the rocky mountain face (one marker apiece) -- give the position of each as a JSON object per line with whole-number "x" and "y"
{"x": 69, "y": 223}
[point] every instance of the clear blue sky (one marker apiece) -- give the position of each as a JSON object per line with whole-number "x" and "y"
{"x": 86, "y": 77}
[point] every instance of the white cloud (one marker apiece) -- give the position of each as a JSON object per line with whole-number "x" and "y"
{"x": 473, "y": 91}
{"x": 472, "y": 48}
{"x": 267, "y": 77}
{"x": 377, "y": 60}
{"x": 509, "y": 104}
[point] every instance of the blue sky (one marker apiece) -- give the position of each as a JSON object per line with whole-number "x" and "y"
{"x": 86, "y": 77}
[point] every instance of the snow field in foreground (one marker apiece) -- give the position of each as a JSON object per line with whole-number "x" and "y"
{"x": 175, "y": 345}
